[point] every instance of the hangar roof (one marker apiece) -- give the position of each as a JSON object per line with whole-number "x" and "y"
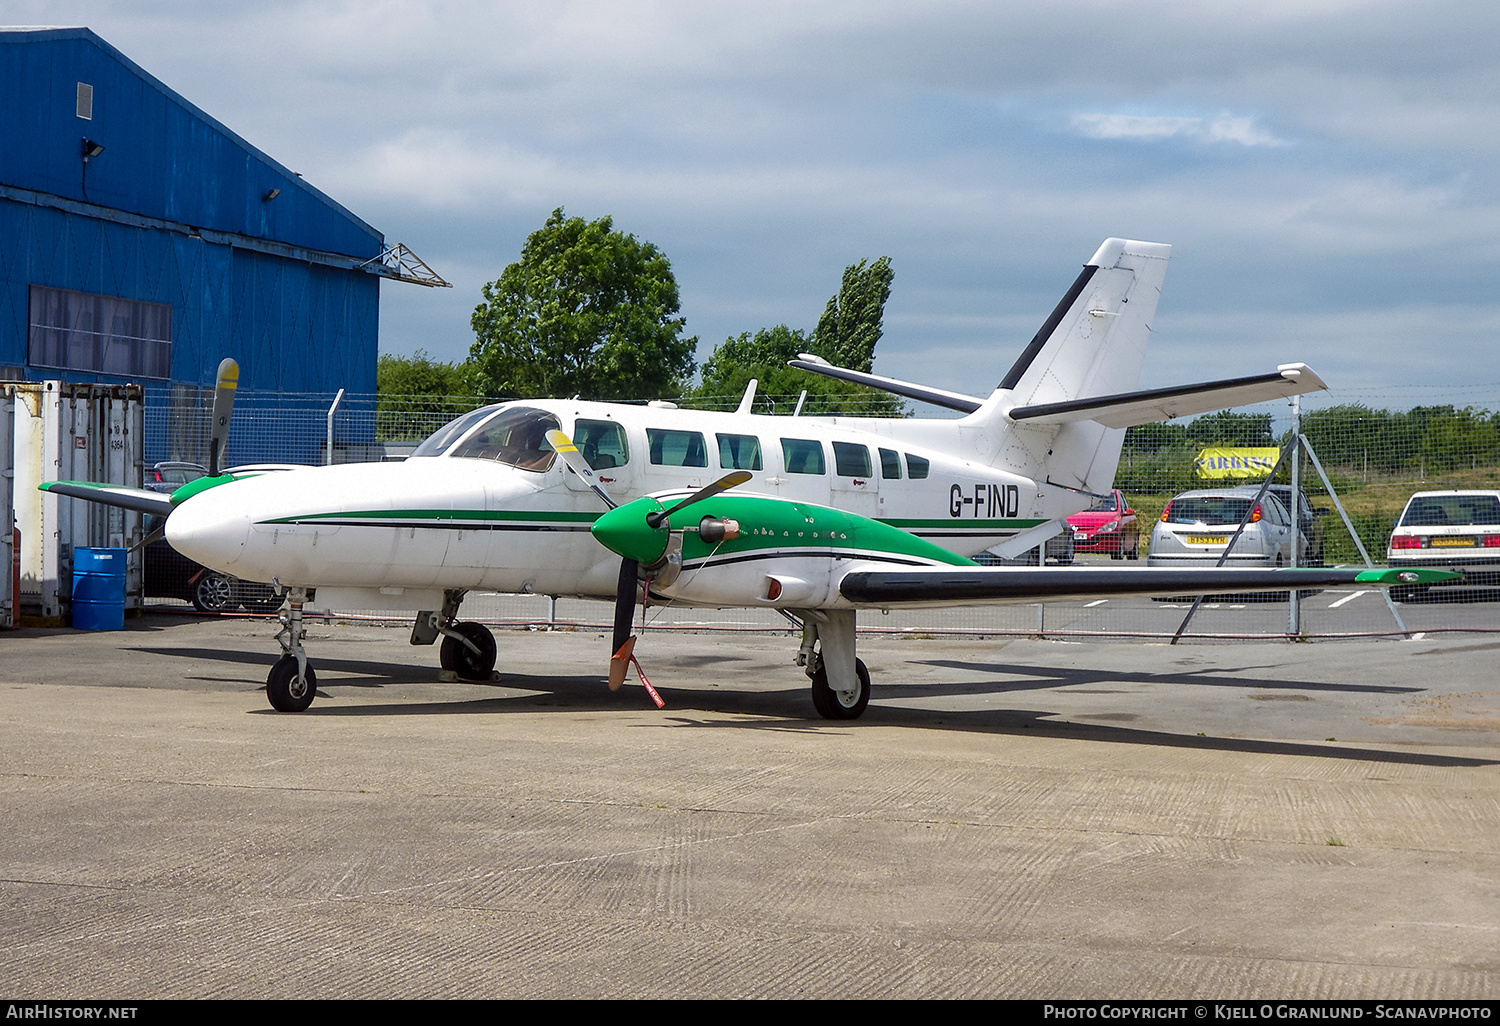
{"x": 163, "y": 159}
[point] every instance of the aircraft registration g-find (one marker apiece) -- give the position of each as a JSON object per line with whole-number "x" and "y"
{"x": 814, "y": 516}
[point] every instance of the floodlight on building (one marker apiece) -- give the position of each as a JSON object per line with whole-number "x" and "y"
{"x": 91, "y": 149}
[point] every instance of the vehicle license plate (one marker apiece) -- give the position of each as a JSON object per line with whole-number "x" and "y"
{"x": 1458, "y": 541}
{"x": 1207, "y": 539}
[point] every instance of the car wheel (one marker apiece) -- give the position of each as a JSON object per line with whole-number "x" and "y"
{"x": 214, "y": 593}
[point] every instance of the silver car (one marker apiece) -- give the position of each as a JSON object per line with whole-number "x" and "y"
{"x": 1195, "y": 528}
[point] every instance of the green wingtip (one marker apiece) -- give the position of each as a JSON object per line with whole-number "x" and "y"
{"x": 1391, "y": 576}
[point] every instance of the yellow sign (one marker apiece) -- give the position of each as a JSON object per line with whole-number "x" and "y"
{"x": 1226, "y": 462}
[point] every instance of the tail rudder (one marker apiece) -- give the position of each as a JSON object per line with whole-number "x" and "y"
{"x": 1093, "y": 343}
{"x": 1095, "y": 339}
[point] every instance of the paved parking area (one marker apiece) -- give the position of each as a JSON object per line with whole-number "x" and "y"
{"x": 1011, "y": 818}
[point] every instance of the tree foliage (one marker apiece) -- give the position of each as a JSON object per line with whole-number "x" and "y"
{"x": 852, "y": 322}
{"x": 845, "y": 336}
{"x": 1424, "y": 439}
{"x": 414, "y": 391}
{"x": 1229, "y": 428}
{"x": 417, "y": 375}
{"x": 588, "y": 311}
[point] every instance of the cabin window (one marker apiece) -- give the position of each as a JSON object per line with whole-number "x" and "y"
{"x": 890, "y": 464}
{"x": 851, "y": 460}
{"x": 916, "y": 467}
{"x": 515, "y": 436}
{"x": 677, "y": 448}
{"x": 601, "y": 443}
{"x": 739, "y": 452}
{"x": 803, "y": 456}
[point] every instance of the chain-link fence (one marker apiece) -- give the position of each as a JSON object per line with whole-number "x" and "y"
{"x": 1361, "y": 464}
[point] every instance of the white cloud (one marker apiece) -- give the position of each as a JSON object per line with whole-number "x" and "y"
{"x": 1224, "y": 128}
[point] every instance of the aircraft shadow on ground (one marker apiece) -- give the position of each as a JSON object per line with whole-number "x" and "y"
{"x": 790, "y": 708}
{"x": 1041, "y": 678}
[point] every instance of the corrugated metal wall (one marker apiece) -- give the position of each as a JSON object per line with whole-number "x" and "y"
{"x": 295, "y": 325}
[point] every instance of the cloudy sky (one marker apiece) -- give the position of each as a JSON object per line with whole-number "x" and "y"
{"x": 1326, "y": 170}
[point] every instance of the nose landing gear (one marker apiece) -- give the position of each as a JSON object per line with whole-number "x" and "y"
{"x": 292, "y": 683}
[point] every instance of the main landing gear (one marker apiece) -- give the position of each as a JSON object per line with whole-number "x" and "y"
{"x": 840, "y": 682}
{"x": 468, "y": 648}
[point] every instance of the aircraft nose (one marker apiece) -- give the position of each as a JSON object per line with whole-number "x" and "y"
{"x": 208, "y": 530}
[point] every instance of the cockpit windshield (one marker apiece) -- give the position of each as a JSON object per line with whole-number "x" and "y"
{"x": 516, "y": 436}
{"x": 438, "y": 442}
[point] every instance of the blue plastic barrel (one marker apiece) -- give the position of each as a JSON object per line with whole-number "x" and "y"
{"x": 99, "y": 589}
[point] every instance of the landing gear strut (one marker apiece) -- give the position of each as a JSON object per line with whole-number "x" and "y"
{"x": 292, "y": 683}
{"x": 468, "y": 649}
{"x": 840, "y": 682}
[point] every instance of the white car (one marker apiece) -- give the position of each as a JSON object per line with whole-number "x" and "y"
{"x": 1195, "y": 528}
{"x": 1452, "y": 530}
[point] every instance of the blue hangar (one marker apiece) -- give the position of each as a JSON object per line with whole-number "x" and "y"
{"x": 142, "y": 241}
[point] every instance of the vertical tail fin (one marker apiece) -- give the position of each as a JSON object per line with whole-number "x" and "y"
{"x": 1092, "y": 344}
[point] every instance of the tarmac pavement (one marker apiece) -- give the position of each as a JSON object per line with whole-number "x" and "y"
{"x": 1011, "y": 818}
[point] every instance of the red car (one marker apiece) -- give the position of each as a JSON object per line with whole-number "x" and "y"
{"x": 1107, "y": 526}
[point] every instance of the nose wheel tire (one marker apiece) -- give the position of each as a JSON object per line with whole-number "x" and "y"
{"x": 459, "y": 658}
{"x": 841, "y": 705}
{"x": 287, "y": 691}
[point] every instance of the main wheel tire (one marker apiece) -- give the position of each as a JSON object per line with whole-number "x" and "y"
{"x": 834, "y": 705}
{"x": 288, "y": 692}
{"x": 456, "y": 656}
{"x": 215, "y": 593}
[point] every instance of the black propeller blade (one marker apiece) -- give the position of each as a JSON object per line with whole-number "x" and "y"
{"x": 723, "y": 484}
{"x": 622, "y": 645}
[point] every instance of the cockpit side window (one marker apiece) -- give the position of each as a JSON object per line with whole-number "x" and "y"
{"x": 602, "y": 443}
{"x": 438, "y": 442}
{"x": 516, "y": 437}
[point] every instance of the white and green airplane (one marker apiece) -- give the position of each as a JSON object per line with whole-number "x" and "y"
{"x": 813, "y": 516}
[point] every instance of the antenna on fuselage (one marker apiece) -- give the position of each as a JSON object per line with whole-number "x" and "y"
{"x": 749, "y": 396}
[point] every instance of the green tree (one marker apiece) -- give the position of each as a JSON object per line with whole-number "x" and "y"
{"x": 588, "y": 311}
{"x": 1229, "y": 428}
{"x": 418, "y": 375}
{"x": 845, "y": 336}
{"x": 415, "y": 392}
{"x": 852, "y": 322}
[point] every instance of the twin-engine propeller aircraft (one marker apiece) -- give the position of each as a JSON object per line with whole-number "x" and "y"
{"x": 816, "y": 517}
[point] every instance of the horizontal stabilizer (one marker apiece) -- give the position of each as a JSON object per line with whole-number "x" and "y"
{"x": 922, "y": 393}
{"x": 1002, "y": 585}
{"x": 138, "y": 499}
{"x": 1128, "y": 409}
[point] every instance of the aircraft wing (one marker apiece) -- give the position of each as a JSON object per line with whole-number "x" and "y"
{"x": 1001, "y": 585}
{"x": 138, "y": 499}
{"x": 1128, "y": 409}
